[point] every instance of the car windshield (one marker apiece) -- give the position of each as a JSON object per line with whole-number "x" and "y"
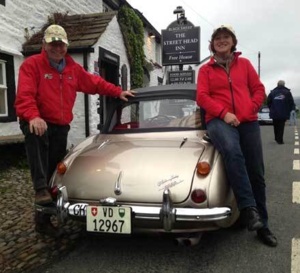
{"x": 157, "y": 113}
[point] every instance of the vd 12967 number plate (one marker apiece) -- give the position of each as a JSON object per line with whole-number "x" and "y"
{"x": 108, "y": 219}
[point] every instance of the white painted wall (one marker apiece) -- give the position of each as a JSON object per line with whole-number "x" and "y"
{"x": 152, "y": 52}
{"x": 111, "y": 40}
{"x": 77, "y": 131}
{"x": 17, "y": 15}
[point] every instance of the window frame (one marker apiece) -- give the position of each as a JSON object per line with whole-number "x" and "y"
{"x": 8, "y": 83}
{"x": 3, "y": 87}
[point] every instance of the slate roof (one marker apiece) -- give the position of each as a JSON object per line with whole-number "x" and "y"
{"x": 83, "y": 31}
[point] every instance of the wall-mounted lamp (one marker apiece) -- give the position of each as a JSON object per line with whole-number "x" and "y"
{"x": 151, "y": 35}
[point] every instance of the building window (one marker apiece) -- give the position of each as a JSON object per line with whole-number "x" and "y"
{"x": 3, "y": 90}
{"x": 158, "y": 54}
{"x": 160, "y": 80}
{"x": 7, "y": 88}
{"x": 2, "y": 2}
{"x": 105, "y": 8}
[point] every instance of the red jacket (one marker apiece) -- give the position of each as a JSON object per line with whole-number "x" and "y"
{"x": 240, "y": 91}
{"x": 44, "y": 92}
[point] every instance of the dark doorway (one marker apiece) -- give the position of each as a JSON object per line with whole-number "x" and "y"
{"x": 109, "y": 64}
{"x": 109, "y": 72}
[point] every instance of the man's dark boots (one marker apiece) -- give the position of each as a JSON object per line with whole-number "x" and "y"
{"x": 251, "y": 218}
{"x": 267, "y": 237}
{"x": 43, "y": 225}
{"x": 43, "y": 197}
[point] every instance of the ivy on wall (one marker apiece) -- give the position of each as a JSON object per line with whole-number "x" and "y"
{"x": 133, "y": 35}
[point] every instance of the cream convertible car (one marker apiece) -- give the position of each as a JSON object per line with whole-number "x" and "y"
{"x": 151, "y": 169}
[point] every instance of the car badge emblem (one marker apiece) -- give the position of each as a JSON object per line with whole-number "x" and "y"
{"x": 94, "y": 211}
{"x": 121, "y": 212}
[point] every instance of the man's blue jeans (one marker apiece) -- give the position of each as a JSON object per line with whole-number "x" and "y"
{"x": 241, "y": 149}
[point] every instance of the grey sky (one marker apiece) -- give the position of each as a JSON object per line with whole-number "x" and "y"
{"x": 270, "y": 27}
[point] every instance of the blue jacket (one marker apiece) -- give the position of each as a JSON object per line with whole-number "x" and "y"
{"x": 280, "y": 102}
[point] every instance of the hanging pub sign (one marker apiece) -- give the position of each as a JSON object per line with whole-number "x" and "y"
{"x": 182, "y": 76}
{"x": 181, "y": 43}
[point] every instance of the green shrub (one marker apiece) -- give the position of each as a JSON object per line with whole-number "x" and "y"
{"x": 133, "y": 35}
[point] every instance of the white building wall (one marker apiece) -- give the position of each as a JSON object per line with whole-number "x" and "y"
{"x": 77, "y": 131}
{"x": 111, "y": 40}
{"x": 152, "y": 52}
{"x": 17, "y": 15}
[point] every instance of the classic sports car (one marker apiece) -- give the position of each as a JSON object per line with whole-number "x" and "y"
{"x": 151, "y": 169}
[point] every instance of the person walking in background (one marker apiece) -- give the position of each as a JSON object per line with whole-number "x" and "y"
{"x": 46, "y": 94}
{"x": 231, "y": 93}
{"x": 293, "y": 116}
{"x": 281, "y": 102}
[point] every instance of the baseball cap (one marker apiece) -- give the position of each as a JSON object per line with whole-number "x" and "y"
{"x": 229, "y": 28}
{"x": 55, "y": 33}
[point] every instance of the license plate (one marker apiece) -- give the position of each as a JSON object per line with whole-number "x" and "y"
{"x": 108, "y": 219}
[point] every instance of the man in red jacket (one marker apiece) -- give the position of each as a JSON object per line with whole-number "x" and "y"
{"x": 46, "y": 94}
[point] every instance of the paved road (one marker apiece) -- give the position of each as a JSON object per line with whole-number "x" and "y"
{"x": 227, "y": 251}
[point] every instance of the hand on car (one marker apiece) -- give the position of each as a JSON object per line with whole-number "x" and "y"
{"x": 37, "y": 126}
{"x": 231, "y": 119}
{"x": 124, "y": 94}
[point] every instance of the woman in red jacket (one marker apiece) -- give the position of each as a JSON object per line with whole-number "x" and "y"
{"x": 231, "y": 93}
{"x": 46, "y": 94}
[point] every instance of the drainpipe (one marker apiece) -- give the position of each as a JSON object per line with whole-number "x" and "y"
{"x": 86, "y": 100}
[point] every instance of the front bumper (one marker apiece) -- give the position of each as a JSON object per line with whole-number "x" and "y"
{"x": 167, "y": 214}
